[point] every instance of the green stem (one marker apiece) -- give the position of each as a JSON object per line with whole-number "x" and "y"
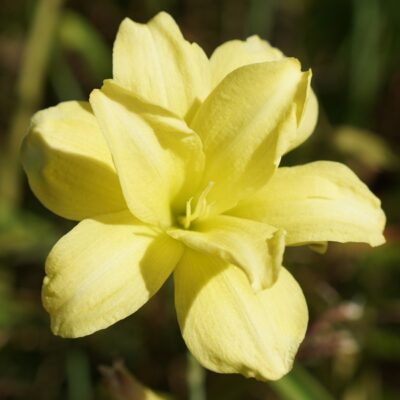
{"x": 299, "y": 384}
{"x": 261, "y": 18}
{"x": 196, "y": 379}
{"x": 29, "y": 91}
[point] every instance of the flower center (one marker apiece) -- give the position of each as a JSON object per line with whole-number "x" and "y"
{"x": 196, "y": 209}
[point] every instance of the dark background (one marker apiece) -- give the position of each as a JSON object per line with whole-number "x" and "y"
{"x": 54, "y": 50}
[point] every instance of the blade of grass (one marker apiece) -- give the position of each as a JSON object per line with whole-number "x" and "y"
{"x": 299, "y": 384}
{"x": 79, "y": 35}
{"x": 78, "y": 375}
{"x": 260, "y": 19}
{"x": 195, "y": 379}
{"x": 64, "y": 83}
{"x": 368, "y": 58}
{"x": 29, "y": 92}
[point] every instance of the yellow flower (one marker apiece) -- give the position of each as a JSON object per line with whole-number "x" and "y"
{"x": 173, "y": 167}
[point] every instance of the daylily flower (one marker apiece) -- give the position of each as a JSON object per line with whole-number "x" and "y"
{"x": 173, "y": 168}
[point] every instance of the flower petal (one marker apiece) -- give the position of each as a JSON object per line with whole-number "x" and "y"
{"x": 320, "y": 201}
{"x": 158, "y": 158}
{"x": 157, "y": 63}
{"x": 230, "y": 328}
{"x": 237, "y": 53}
{"x": 255, "y": 247}
{"x": 104, "y": 270}
{"x": 234, "y": 54}
{"x": 246, "y": 124}
{"x": 68, "y": 163}
{"x": 308, "y": 119}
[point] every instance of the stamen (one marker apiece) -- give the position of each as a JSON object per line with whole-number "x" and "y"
{"x": 187, "y": 219}
{"x": 200, "y": 210}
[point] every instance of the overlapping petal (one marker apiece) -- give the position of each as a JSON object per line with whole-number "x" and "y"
{"x": 158, "y": 158}
{"x": 307, "y": 120}
{"x": 234, "y": 54}
{"x": 156, "y": 62}
{"x": 68, "y": 163}
{"x": 320, "y": 201}
{"x": 246, "y": 124}
{"x": 255, "y": 247}
{"x": 237, "y": 53}
{"x": 230, "y": 328}
{"x": 104, "y": 270}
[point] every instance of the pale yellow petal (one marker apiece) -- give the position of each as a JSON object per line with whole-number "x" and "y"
{"x": 68, "y": 164}
{"x": 230, "y": 328}
{"x": 237, "y": 53}
{"x": 156, "y": 62}
{"x": 158, "y": 158}
{"x": 246, "y": 124}
{"x": 104, "y": 270}
{"x": 308, "y": 118}
{"x": 255, "y": 247}
{"x": 320, "y": 201}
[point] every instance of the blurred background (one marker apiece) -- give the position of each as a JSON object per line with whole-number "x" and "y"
{"x": 55, "y": 50}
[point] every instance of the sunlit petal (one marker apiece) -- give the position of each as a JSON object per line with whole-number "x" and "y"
{"x": 104, "y": 270}
{"x": 255, "y": 247}
{"x": 158, "y": 158}
{"x": 307, "y": 120}
{"x": 320, "y": 201}
{"x": 246, "y": 124}
{"x": 230, "y": 328}
{"x": 68, "y": 163}
{"x": 236, "y": 53}
{"x": 156, "y": 62}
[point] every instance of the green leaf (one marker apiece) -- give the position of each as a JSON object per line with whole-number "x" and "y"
{"x": 79, "y": 35}
{"x": 24, "y": 235}
{"x": 299, "y": 384}
{"x": 78, "y": 375}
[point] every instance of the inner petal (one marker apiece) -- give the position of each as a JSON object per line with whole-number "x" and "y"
{"x": 255, "y": 247}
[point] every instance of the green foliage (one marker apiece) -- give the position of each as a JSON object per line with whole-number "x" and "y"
{"x": 300, "y": 385}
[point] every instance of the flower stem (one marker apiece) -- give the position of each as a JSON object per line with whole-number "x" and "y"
{"x": 196, "y": 379}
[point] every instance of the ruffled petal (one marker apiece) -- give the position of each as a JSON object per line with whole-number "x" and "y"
{"x": 320, "y": 201}
{"x": 156, "y": 62}
{"x": 255, "y": 247}
{"x": 230, "y": 328}
{"x": 104, "y": 270}
{"x": 68, "y": 163}
{"x": 246, "y": 124}
{"x": 237, "y": 53}
{"x": 158, "y": 158}
{"x": 307, "y": 120}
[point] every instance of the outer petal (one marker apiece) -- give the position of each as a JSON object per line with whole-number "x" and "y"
{"x": 246, "y": 124}
{"x": 68, "y": 163}
{"x": 228, "y": 327}
{"x": 255, "y": 247}
{"x": 158, "y": 158}
{"x": 237, "y": 53}
{"x": 308, "y": 119}
{"x": 104, "y": 270}
{"x": 156, "y": 62}
{"x": 316, "y": 202}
